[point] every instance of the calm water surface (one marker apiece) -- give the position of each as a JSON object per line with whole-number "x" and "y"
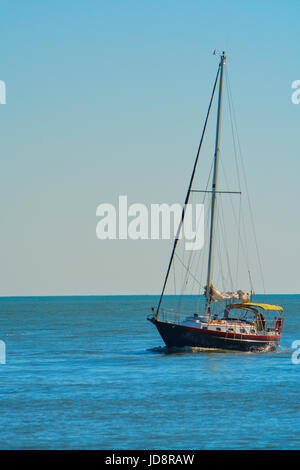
{"x": 92, "y": 373}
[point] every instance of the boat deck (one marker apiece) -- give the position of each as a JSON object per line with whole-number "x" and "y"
{"x": 229, "y": 325}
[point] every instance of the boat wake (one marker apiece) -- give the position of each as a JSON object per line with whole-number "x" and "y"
{"x": 187, "y": 349}
{"x": 198, "y": 349}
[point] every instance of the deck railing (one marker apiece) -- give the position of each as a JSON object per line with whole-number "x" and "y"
{"x": 174, "y": 316}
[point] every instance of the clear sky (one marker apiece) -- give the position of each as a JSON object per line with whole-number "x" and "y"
{"x": 106, "y": 98}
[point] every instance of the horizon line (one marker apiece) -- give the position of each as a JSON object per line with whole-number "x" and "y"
{"x": 122, "y": 295}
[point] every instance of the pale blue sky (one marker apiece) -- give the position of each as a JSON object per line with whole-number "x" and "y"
{"x": 107, "y": 98}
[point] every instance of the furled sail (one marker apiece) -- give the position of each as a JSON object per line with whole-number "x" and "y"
{"x": 216, "y": 296}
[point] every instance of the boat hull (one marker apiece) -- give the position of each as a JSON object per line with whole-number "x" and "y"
{"x": 178, "y": 336}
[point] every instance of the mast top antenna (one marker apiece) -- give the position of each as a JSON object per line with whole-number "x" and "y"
{"x": 220, "y": 54}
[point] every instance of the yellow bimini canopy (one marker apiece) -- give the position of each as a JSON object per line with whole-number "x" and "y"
{"x": 252, "y": 304}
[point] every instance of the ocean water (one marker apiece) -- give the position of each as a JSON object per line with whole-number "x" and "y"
{"x": 92, "y": 373}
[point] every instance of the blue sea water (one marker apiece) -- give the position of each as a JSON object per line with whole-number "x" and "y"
{"x": 92, "y": 373}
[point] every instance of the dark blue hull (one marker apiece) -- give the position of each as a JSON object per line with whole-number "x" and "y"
{"x": 179, "y": 336}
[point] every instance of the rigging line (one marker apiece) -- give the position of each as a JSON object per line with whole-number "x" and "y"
{"x": 188, "y": 271}
{"x": 186, "y": 261}
{"x": 222, "y": 261}
{"x": 236, "y": 219}
{"x": 189, "y": 263}
{"x": 201, "y": 255}
{"x": 235, "y": 216}
{"x": 193, "y": 256}
{"x": 204, "y": 255}
{"x": 242, "y": 235}
{"x": 250, "y": 280}
{"x": 182, "y": 276}
{"x": 232, "y": 128}
{"x": 230, "y": 105}
{"x": 188, "y": 193}
{"x": 195, "y": 279}
{"x": 238, "y": 244}
{"x": 244, "y": 246}
{"x": 224, "y": 171}
{"x": 185, "y": 274}
{"x": 188, "y": 274}
{"x": 219, "y": 275}
{"x": 247, "y": 192}
{"x": 197, "y": 258}
{"x": 217, "y": 192}
{"x": 237, "y": 172}
{"x": 222, "y": 222}
{"x": 237, "y": 223}
{"x": 174, "y": 278}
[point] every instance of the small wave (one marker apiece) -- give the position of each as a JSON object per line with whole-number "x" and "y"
{"x": 283, "y": 351}
{"x": 183, "y": 350}
{"x": 158, "y": 349}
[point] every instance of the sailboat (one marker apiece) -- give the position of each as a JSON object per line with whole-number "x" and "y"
{"x": 241, "y": 323}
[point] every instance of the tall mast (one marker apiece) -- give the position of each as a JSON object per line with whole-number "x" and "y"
{"x": 214, "y": 189}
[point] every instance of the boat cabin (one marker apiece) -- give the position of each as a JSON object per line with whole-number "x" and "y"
{"x": 242, "y": 319}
